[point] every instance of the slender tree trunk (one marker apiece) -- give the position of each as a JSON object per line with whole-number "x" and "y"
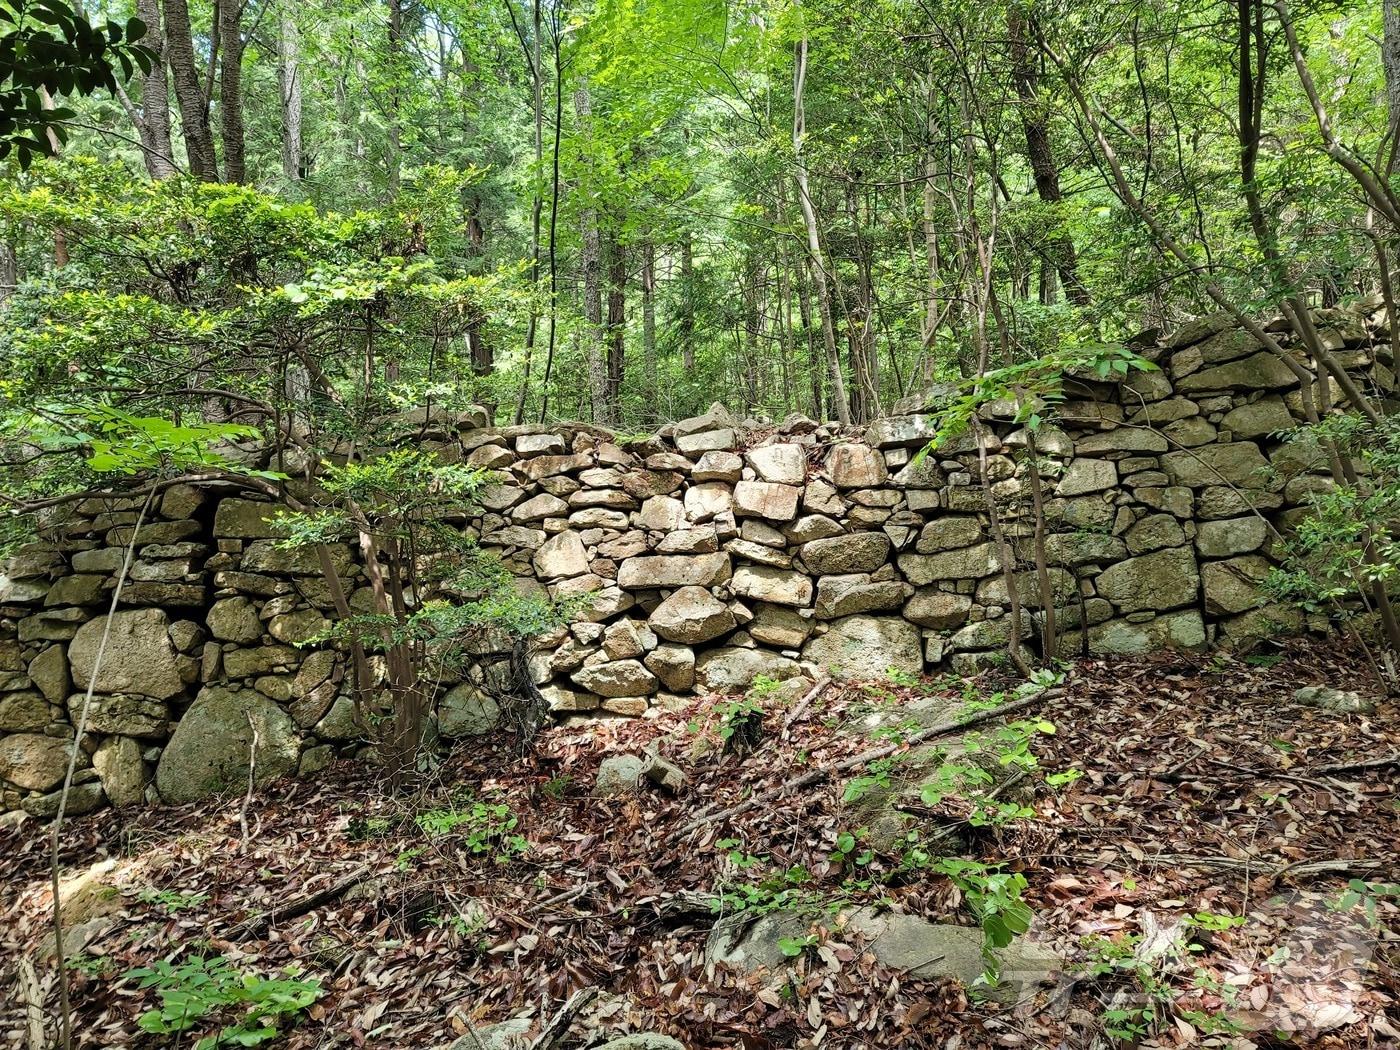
{"x": 152, "y": 118}
{"x": 9, "y": 270}
{"x": 553, "y": 302}
{"x": 1390, "y": 58}
{"x": 617, "y": 326}
{"x": 231, "y": 90}
{"x": 60, "y": 236}
{"x": 814, "y": 359}
{"x": 1382, "y": 197}
{"x": 289, "y": 90}
{"x": 189, "y": 95}
{"x": 931, "y": 254}
{"x": 592, "y": 262}
{"x": 483, "y": 357}
{"x": 814, "y": 248}
{"x": 533, "y": 56}
{"x": 395, "y": 74}
{"x": 650, "y": 391}
{"x": 687, "y": 318}
{"x": 1042, "y": 156}
{"x": 861, "y": 321}
{"x": 1168, "y": 243}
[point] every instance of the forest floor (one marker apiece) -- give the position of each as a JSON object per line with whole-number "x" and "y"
{"x": 1207, "y": 794}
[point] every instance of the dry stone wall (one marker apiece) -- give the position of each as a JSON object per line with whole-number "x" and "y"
{"x": 711, "y": 552}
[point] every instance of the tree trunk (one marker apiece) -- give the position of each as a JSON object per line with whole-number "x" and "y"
{"x": 152, "y": 118}
{"x": 289, "y": 89}
{"x": 592, "y": 262}
{"x": 617, "y": 326}
{"x": 395, "y": 53}
{"x": 861, "y": 320}
{"x": 687, "y": 319}
{"x": 1042, "y": 156}
{"x": 814, "y": 363}
{"x": 9, "y": 270}
{"x": 931, "y": 252}
{"x": 231, "y": 90}
{"x": 189, "y": 95}
{"x": 533, "y": 54}
{"x": 483, "y": 358}
{"x": 814, "y": 248}
{"x": 650, "y": 392}
{"x": 1390, "y": 58}
{"x": 60, "y": 236}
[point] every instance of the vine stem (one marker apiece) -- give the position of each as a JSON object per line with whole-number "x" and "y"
{"x": 64, "y": 1002}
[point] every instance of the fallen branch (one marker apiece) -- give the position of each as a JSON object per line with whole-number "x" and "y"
{"x": 31, "y": 997}
{"x": 558, "y": 1027}
{"x": 252, "y": 778}
{"x": 1352, "y": 767}
{"x": 297, "y": 908}
{"x": 1253, "y": 867}
{"x": 800, "y": 710}
{"x": 817, "y": 776}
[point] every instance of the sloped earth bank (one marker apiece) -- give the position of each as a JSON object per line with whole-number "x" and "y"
{"x": 1207, "y": 790}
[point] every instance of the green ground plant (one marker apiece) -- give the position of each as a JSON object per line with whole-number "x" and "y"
{"x": 200, "y": 991}
{"x": 482, "y": 828}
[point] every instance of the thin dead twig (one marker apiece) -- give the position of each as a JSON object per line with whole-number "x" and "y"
{"x": 248, "y": 797}
{"x": 31, "y": 997}
{"x": 294, "y": 909}
{"x": 1356, "y": 767}
{"x": 800, "y": 710}
{"x": 558, "y": 1027}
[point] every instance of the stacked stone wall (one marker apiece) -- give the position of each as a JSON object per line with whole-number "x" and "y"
{"x": 710, "y": 552}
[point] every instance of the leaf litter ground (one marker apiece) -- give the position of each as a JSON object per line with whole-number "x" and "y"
{"x": 1206, "y": 793}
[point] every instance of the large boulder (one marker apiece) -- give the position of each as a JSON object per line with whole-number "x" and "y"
{"x": 782, "y": 464}
{"x": 858, "y": 552}
{"x": 244, "y": 519}
{"x": 124, "y": 714}
{"x": 1265, "y": 416}
{"x": 856, "y": 466}
{"x": 969, "y": 563}
{"x": 948, "y": 532}
{"x": 1164, "y": 579}
{"x": 33, "y": 761}
{"x": 691, "y": 615}
{"x": 779, "y": 586}
{"x": 733, "y": 670}
{"x": 123, "y": 773}
{"x": 1180, "y": 630}
{"x": 1220, "y": 539}
{"x": 467, "y": 711}
{"x": 673, "y": 570}
{"x": 940, "y": 610}
{"x": 927, "y": 949}
{"x": 853, "y": 593}
{"x": 764, "y": 499}
{"x": 138, "y": 658}
{"x": 1235, "y": 586}
{"x": 859, "y": 647}
{"x": 49, "y": 672}
{"x": 1233, "y": 463}
{"x": 674, "y": 665}
{"x": 561, "y": 555}
{"x": 1262, "y": 371}
{"x": 899, "y": 941}
{"x": 616, "y": 678}
{"x": 1087, "y": 475}
{"x": 643, "y": 1041}
{"x": 23, "y": 711}
{"x": 212, "y": 744}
